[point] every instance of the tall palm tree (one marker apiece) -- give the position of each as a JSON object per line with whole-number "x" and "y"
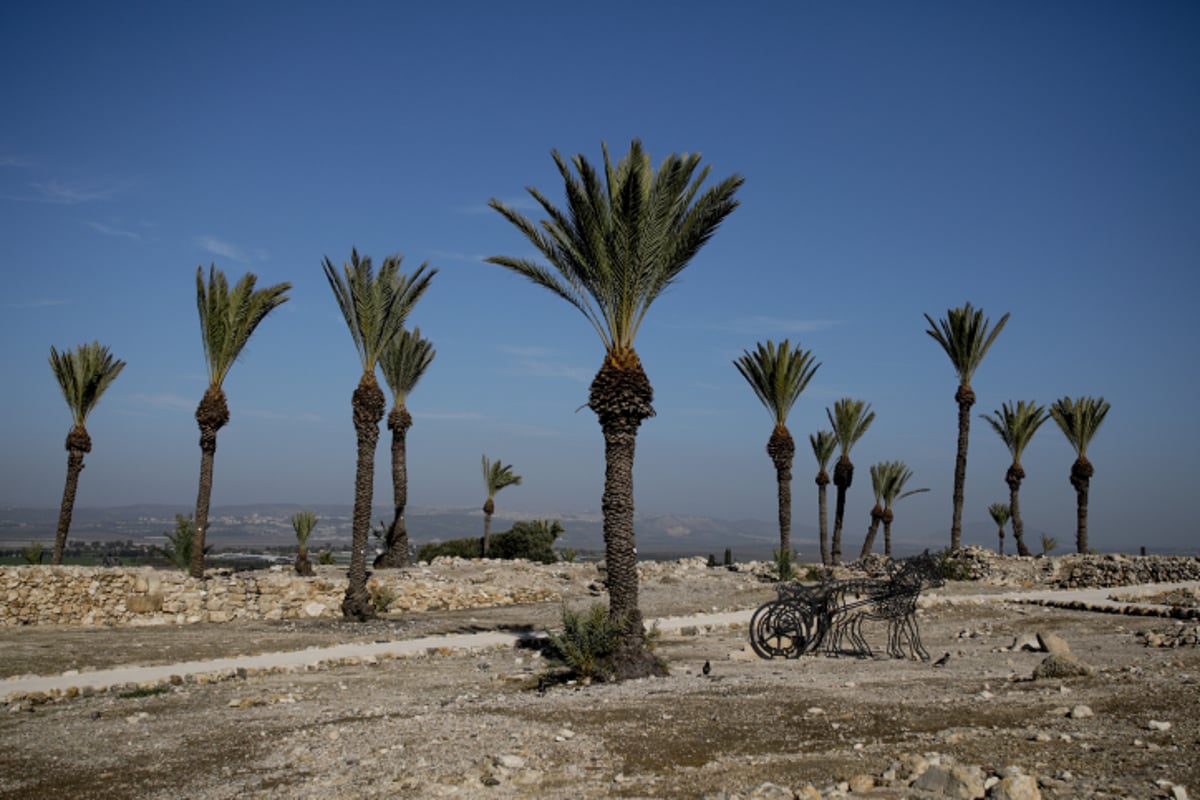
{"x": 898, "y": 476}
{"x": 228, "y": 318}
{"x": 878, "y": 475}
{"x": 404, "y": 362}
{"x": 1016, "y": 425}
{"x": 83, "y": 375}
{"x": 617, "y": 245}
{"x": 375, "y": 306}
{"x": 496, "y": 476}
{"x": 1000, "y": 515}
{"x": 778, "y": 375}
{"x": 966, "y": 336}
{"x": 824, "y": 443}
{"x": 1079, "y": 419}
{"x": 850, "y": 419}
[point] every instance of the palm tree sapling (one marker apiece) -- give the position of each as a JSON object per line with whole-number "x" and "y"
{"x": 496, "y": 476}
{"x": 303, "y": 523}
{"x": 1000, "y": 514}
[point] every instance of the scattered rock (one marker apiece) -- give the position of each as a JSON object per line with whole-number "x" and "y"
{"x": 1062, "y": 665}
{"x": 1052, "y": 643}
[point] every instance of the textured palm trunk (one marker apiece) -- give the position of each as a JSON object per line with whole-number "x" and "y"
{"x": 489, "y": 508}
{"x": 888, "y": 516}
{"x": 78, "y": 444}
{"x": 211, "y": 415}
{"x": 395, "y": 551}
{"x": 843, "y": 476}
{"x": 1013, "y": 478}
{"x": 303, "y": 565}
{"x": 1081, "y": 479}
{"x": 872, "y": 530}
{"x": 369, "y": 404}
{"x": 622, "y": 397}
{"x": 823, "y": 516}
{"x": 782, "y": 451}
{"x": 965, "y": 398}
{"x": 1001, "y": 531}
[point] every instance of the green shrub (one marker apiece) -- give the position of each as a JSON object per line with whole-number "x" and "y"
{"x": 179, "y": 542}
{"x": 1048, "y": 544}
{"x": 382, "y": 597}
{"x": 34, "y": 553}
{"x": 326, "y": 557}
{"x": 814, "y": 573}
{"x": 569, "y": 555}
{"x": 783, "y": 565}
{"x": 587, "y": 639}
{"x": 144, "y": 691}
{"x": 532, "y": 540}
{"x": 954, "y": 567}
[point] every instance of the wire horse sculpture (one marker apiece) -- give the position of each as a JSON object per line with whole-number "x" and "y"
{"x": 828, "y": 617}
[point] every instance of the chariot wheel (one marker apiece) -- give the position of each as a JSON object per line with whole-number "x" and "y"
{"x": 779, "y": 628}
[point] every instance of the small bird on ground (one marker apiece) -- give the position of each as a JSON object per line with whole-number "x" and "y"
{"x": 941, "y": 662}
{"x": 707, "y": 668}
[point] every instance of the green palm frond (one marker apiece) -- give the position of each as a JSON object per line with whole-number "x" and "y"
{"x": 850, "y": 419}
{"x": 1001, "y": 513}
{"x": 965, "y": 337}
{"x": 892, "y": 477}
{"x": 83, "y": 375}
{"x": 228, "y": 317}
{"x": 778, "y": 375}
{"x": 824, "y": 444}
{"x": 404, "y": 362}
{"x": 622, "y": 239}
{"x": 303, "y": 523}
{"x": 1079, "y": 419}
{"x": 496, "y": 476}
{"x": 1016, "y": 425}
{"x": 375, "y": 306}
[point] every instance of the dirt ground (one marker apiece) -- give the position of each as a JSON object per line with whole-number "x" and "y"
{"x": 476, "y": 724}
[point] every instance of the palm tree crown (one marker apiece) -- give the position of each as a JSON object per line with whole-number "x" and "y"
{"x": 1016, "y": 425}
{"x": 228, "y": 317}
{"x": 375, "y": 306}
{"x": 1079, "y": 420}
{"x": 497, "y": 475}
{"x": 83, "y": 375}
{"x": 405, "y": 361}
{"x": 965, "y": 336}
{"x": 850, "y": 420}
{"x": 620, "y": 243}
{"x": 778, "y": 374}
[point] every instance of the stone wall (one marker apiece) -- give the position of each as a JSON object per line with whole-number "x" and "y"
{"x": 40, "y": 595}
{"x": 1114, "y": 569}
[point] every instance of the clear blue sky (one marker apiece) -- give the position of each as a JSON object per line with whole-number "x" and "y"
{"x": 1033, "y": 158}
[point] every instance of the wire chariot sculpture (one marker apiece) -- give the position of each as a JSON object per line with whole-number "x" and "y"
{"x": 828, "y": 617}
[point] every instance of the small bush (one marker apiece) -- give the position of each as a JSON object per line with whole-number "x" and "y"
{"x": 382, "y": 597}
{"x": 533, "y": 541}
{"x": 455, "y": 548}
{"x": 326, "y": 557}
{"x": 587, "y": 639}
{"x": 144, "y": 691}
{"x": 569, "y": 555}
{"x": 34, "y": 553}
{"x": 179, "y": 542}
{"x": 784, "y": 569}
{"x": 954, "y": 567}
{"x": 1048, "y": 544}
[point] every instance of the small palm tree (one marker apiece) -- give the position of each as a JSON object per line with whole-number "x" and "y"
{"x": 1000, "y": 515}
{"x": 824, "y": 443}
{"x": 303, "y": 523}
{"x": 496, "y": 476}
{"x": 622, "y": 239}
{"x": 1016, "y": 425}
{"x": 897, "y": 477}
{"x": 404, "y": 361}
{"x": 850, "y": 419}
{"x": 965, "y": 336}
{"x": 83, "y": 375}
{"x": 778, "y": 374}
{"x": 878, "y": 475}
{"x": 228, "y": 318}
{"x": 375, "y": 306}
{"x": 1079, "y": 419}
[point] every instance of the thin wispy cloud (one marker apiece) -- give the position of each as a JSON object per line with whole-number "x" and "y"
{"x": 224, "y": 249}
{"x": 63, "y": 194}
{"x": 100, "y": 227}
{"x": 536, "y": 362}
{"x": 452, "y": 255}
